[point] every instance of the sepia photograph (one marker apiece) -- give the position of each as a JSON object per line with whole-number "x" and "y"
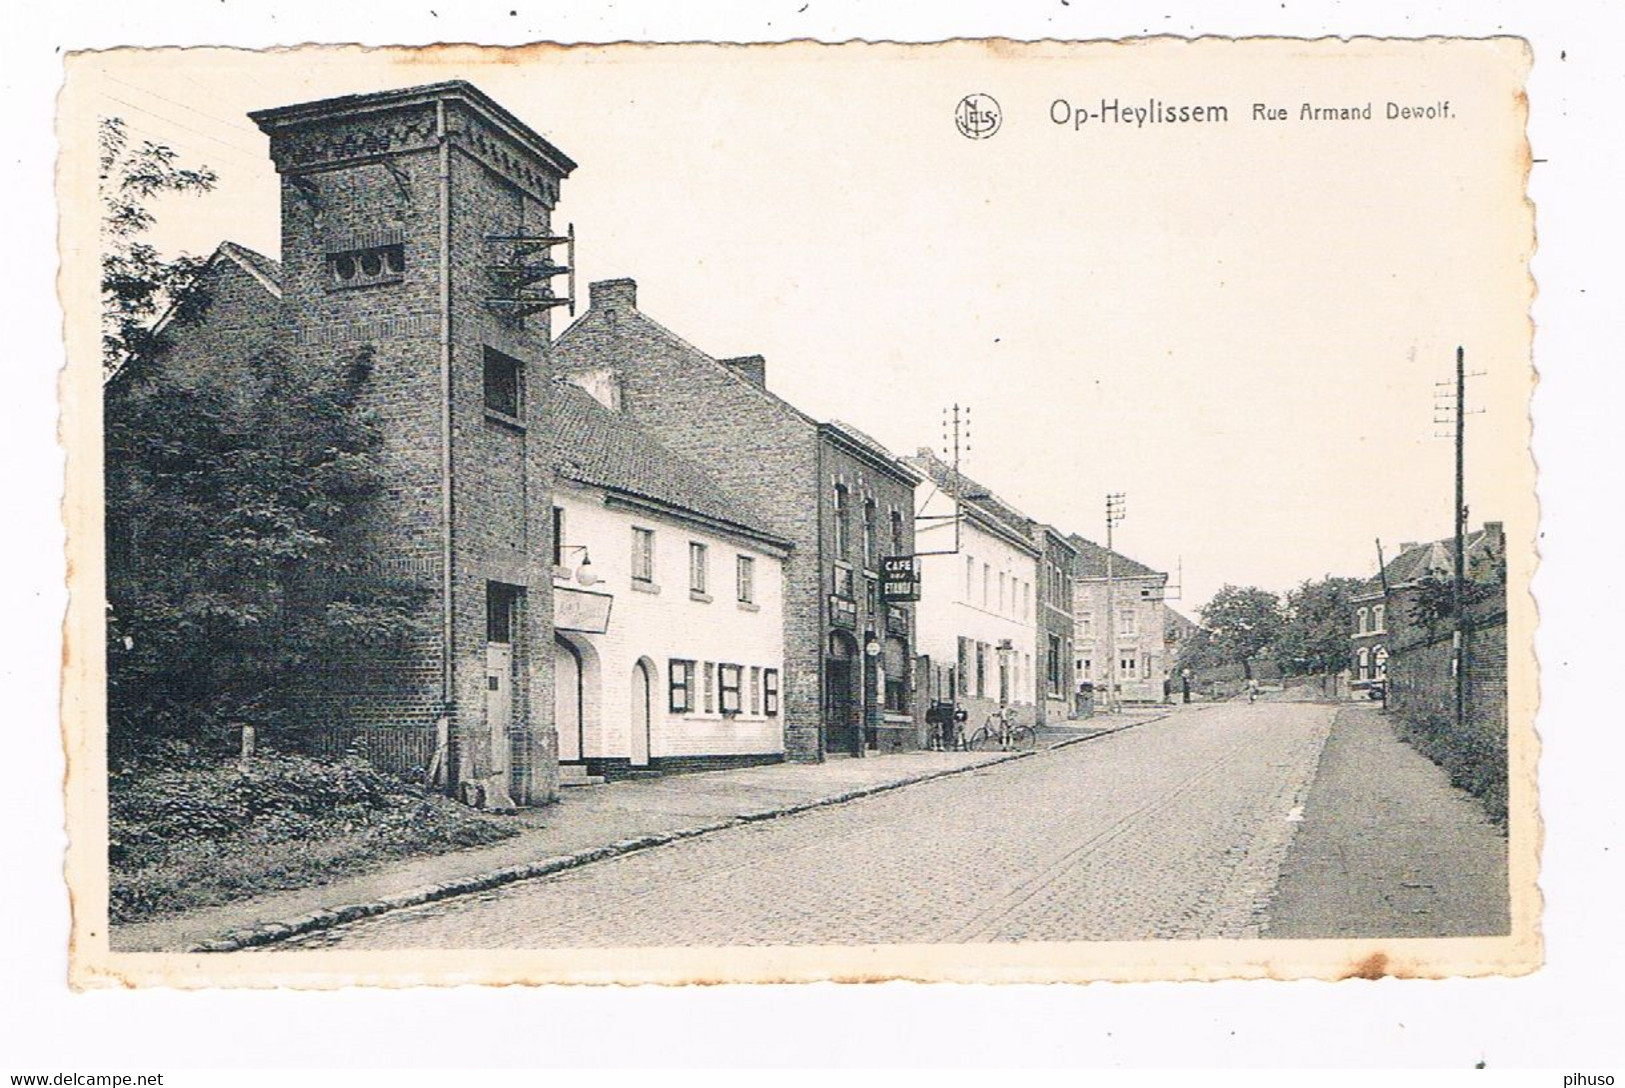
{"x": 978, "y": 511}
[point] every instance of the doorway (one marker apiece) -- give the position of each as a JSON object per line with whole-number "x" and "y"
{"x": 568, "y": 701}
{"x": 843, "y": 706}
{"x": 642, "y": 707}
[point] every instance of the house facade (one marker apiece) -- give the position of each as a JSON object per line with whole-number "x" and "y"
{"x": 1382, "y": 609}
{"x": 979, "y": 589}
{"x": 668, "y": 649}
{"x": 1120, "y": 626}
{"x": 837, "y": 498}
{"x": 1057, "y": 623}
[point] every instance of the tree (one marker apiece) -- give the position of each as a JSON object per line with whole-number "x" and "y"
{"x": 233, "y": 503}
{"x": 138, "y": 284}
{"x": 1243, "y": 621}
{"x": 1318, "y": 619}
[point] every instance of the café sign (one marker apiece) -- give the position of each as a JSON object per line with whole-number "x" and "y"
{"x": 581, "y": 610}
{"x": 899, "y": 578}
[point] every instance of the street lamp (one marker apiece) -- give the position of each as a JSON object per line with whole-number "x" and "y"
{"x": 584, "y": 573}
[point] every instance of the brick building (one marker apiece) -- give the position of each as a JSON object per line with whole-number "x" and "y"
{"x": 668, "y": 592}
{"x": 1057, "y": 672}
{"x": 416, "y": 226}
{"x": 1382, "y": 607}
{"x": 979, "y": 631}
{"x": 837, "y": 497}
{"x": 1120, "y": 632}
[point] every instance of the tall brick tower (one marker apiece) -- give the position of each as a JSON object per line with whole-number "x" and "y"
{"x": 417, "y": 239}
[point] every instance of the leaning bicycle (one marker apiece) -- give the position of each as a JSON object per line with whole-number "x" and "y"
{"x": 1002, "y": 733}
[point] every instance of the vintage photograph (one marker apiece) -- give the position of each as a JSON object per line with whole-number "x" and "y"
{"x": 978, "y": 511}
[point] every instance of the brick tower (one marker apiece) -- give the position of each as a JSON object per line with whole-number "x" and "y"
{"x": 417, "y": 238}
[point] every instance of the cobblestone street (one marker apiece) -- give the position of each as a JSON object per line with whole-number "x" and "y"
{"x": 1175, "y": 829}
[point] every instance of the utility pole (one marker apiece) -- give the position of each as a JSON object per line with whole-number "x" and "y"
{"x": 955, "y": 440}
{"x": 1116, "y": 508}
{"x": 1458, "y": 590}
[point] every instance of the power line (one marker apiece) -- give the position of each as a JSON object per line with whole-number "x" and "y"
{"x": 250, "y": 156}
{"x": 189, "y": 109}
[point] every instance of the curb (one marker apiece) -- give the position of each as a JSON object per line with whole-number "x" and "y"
{"x": 267, "y": 933}
{"x": 1069, "y": 741}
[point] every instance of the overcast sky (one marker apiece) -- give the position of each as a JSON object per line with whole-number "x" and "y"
{"x": 1240, "y": 324}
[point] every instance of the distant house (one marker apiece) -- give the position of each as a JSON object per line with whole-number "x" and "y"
{"x": 1120, "y": 630}
{"x": 1382, "y": 608}
{"x": 1177, "y": 632}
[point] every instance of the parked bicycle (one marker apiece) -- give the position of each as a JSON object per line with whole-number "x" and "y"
{"x": 1001, "y": 732}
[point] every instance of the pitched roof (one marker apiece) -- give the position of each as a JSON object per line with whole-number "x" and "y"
{"x": 1436, "y": 559}
{"x": 267, "y": 271}
{"x": 600, "y": 447}
{"x": 979, "y": 499}
{"x": 1091, "y": 562}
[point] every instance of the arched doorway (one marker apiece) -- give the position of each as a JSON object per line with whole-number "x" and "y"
{"x": 569, "y": 701}
{"x": 642, "y": 712}
{"x": 843, "y": 701}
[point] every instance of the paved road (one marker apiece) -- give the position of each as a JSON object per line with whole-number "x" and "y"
{"x": 1174, "y": 829}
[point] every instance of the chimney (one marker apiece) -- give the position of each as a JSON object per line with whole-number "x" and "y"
{"x": 753, "y": 368}
{"x": 613, "y": 295}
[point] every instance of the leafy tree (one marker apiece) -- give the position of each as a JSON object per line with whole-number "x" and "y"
{"x": 138, "y": 284}
{"x": 1318, "y": 619}
{"x": 232, "y": 506}
{"x": 1243, "y": 621}
{"x": 1433, "y": 601}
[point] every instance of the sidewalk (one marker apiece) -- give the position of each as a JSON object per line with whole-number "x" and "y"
{"x": 587, "y": 824}
{"x": 1387, "y": 847}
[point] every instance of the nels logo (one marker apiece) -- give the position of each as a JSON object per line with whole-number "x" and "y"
{"x": 978, "y": 116}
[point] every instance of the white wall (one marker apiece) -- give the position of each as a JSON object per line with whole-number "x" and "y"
{"x": 671, "y": 624}
{"x": 947, "y": 613}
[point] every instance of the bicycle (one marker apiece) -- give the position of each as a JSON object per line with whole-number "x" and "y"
{"x": 1001, "y": 732}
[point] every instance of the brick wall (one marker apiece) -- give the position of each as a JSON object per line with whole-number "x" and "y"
{"x": 1422, "y": 695}
{"x": 752, "y": 444}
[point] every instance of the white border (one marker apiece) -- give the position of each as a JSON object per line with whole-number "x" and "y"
{"x": 1563, "y": 1016}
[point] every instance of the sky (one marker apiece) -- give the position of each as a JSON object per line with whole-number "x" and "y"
{"x": 1241, "y": 326}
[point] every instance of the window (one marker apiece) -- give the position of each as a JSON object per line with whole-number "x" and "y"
{"x": 365, "y": 267}
{"x": 1378, "y": 618}
{"x": 504, "y": 384}
{"x": 981, "y": 669}
{"x": 1365, "y": 660}
{"x": 970, "y": 577}
{"x": 745, "y": 579}
{"x": 710, "y": 687}
{"x": 1128, "y": 622}
{"x": 898, "y": 547}
{"x": 1001, "y": 591}
{"x": 770, "y": 691}
{"x": 1086, "y": 625}
{"x": 987, "y": 581}
{"x": 843, "y": 531}
{"x": 1128, "y": 667}
{"x": 643, "y": 555}
{"x": 871, "y": 537}
{"x": 755, "y": 689}
{"x": 501, "y": 602}
{"x": 1027, "y": 599}
{"x": 1379, "y": 663}
{"x": 558, "y": 536}
{"x": 697, "y": 563}
{"x": 871, "y": 596}
{"x": 843, "y": 582}
{"x": 1053, "y": 665}
{"x": 1086, "y": 668}
{"x": 682, "y": 685}
{"x": 1364, "y": 618}
{"x": 728, "y": 686}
